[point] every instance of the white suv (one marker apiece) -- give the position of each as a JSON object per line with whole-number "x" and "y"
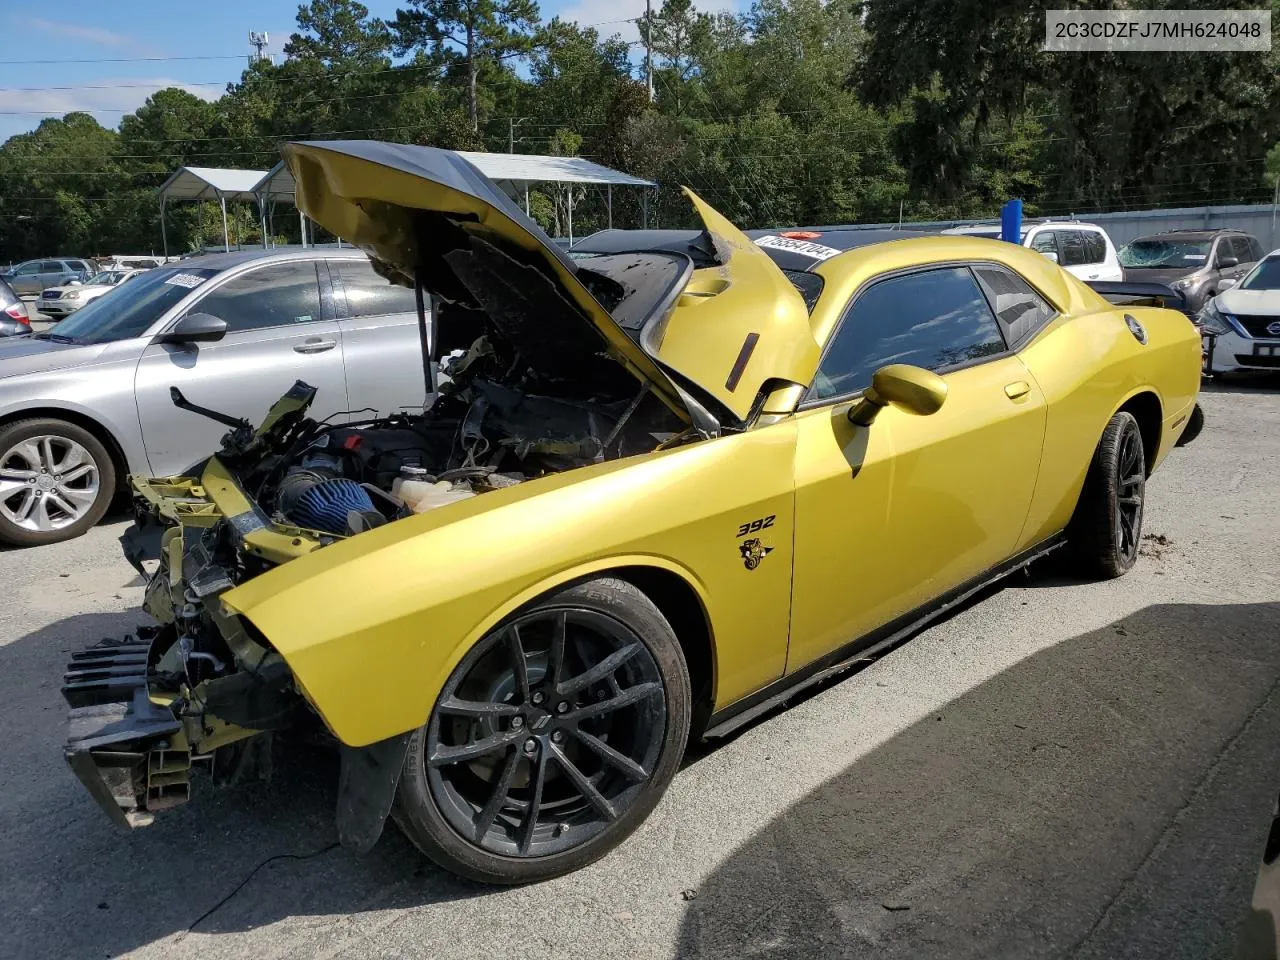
{"x": 1083, "y": 249}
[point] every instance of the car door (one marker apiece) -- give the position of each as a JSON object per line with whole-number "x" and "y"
{"x": 891, "y": 516}
{"x": 1045, "y": 242}
{"x": 279, "y": 330}
{"x": 380, "y": 341}
{"x": 27, "y": 279}
{"x": 1242, "y": 250}
{"x": 1074, "y": 254}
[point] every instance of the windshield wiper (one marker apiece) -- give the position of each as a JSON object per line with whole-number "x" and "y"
{"x": 56, "y": 337}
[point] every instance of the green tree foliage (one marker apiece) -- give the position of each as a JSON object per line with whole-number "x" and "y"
{"x": 789, "y": 112}
{"x": 471, "y": 34}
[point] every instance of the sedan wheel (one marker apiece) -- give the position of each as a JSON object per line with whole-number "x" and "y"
{"x": 56, "y": 481}
{"x": 552, "y": 740}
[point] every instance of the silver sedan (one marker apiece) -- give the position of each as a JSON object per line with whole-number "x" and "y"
{"x": 88, "y": 403}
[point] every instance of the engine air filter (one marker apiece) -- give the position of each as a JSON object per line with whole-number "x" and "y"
{"x": 325, "y": 506}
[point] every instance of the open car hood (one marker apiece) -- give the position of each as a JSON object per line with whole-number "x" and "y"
{"x": 415, "y": 208}
{"x": 722, "y": 333}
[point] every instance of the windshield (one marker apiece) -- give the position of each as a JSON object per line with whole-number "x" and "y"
{"x": 1265, "y": 276}
{"x": 108, "y": 279}
{"x": 1159, "y": 253}
{"x": 136, "y": 307}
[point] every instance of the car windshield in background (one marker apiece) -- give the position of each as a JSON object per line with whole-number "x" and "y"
{"x": 108, "y": 279}
{"x": 130, "y": 312}
{"x": 1164, "y": 254}
{"x": 1265, "y": 276}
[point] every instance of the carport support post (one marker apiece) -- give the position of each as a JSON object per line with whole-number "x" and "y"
{"x": 226, "y": 238}
{"x": 644, "y": 207}
{"x": 302, "y": 228}
{"x": 164, "y": 233}
{"x": 608, "y": 200}
{"x": 526, "y": 199}
{"x": 570, "y": 194}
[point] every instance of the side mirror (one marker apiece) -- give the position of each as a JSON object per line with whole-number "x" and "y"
{"x": 1226, "y": 283}
{"x": 1224, "y": 262}
{"x": 1050, "y": 255}
{"x": 914, "y": 389}
{"x": 196, "y": 328}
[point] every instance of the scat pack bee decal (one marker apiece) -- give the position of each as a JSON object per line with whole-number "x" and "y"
{"x": 754, "y": 550}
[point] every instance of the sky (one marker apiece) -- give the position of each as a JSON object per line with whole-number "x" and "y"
{"x": 128, "y": 50}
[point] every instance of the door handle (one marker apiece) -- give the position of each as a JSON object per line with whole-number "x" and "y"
{"x": 314, "y": 345}
{"x": 1019, "y": 388}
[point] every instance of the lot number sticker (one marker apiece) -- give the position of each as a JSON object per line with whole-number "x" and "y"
{"x": 188, "y": 280}
{"x": 806, "y": 248}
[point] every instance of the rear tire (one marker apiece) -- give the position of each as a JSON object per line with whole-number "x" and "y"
{"x": 1106, "y": 531}
{"x": 553, "y": 739}
{"x": 56, "y": 481}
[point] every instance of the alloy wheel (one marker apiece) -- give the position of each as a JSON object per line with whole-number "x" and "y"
{"x": 547, "y": 731}
{"x": 47, "y": 483}
{"x": 1131, "y": 484}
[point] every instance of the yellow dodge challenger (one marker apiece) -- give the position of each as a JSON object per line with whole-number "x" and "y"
{"x": 662, "y": 481}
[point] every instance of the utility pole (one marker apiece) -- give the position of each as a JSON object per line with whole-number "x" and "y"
{"x": 648, "y": 46}
{"x": 512, "y": 123}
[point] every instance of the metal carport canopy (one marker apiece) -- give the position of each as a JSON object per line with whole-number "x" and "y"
{"x": 200, "y": 183}
{"x": 508, "y": 170}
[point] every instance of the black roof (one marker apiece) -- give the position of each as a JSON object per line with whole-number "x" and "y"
{"x": 693, "y": 243}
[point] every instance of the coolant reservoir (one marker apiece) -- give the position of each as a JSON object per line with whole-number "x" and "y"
{"x": 421, "y": 495}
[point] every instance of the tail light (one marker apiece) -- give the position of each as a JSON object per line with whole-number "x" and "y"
{"x": 18, "y": 311}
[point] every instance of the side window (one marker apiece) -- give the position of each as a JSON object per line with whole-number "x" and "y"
{"x": 28, "y": 268}
{"x": 52, "y": 266}
{"x": 1241, "y": 250}
{"x": 1095, "y": 248}
{"x": 278, "y": 295}
{"x": 1073, "y": 248}
{"x": 1255, "y": 249}
{"x": 933, "y": 319}
{"x": 1020, "y": 310}
{"x": 369, "y": 295}
{"x": 1046, "y": 242}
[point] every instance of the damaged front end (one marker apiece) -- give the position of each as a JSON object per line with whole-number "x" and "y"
{"x": 203, "y": 689}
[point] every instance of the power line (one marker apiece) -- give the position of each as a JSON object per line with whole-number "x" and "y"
{"x": 23, "y": 63}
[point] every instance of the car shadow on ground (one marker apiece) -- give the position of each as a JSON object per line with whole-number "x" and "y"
{"x": 1250, "y": 382}
{"x": 1109, "y": 796}
{"x": 1005, "y": 825}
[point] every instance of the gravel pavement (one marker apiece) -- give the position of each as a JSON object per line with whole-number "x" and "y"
{"x": 1060, "y": 769}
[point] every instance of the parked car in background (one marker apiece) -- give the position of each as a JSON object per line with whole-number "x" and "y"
{"x": 14, "y": 318}
{"x": 1241, "y": 325}
{"x": 1192, "y": 262}
{"x": 1084, "y": 250}
{"x": 29, "y": 278}
{"x": 89, "y": 403}
{"x": 57, "y": 302}
{"x": 131, "y": 263}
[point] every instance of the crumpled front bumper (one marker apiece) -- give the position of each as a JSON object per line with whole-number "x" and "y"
{"x": 128, "y": 751}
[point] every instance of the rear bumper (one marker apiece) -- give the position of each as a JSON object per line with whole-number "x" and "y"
{"x": 129, "y": 752}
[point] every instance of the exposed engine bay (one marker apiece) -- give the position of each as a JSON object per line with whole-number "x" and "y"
{"x": 479, "y": 435}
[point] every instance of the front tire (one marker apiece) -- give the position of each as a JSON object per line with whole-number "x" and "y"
{"x": 1106, "y": 531}
{"x": 553, "y": 739}
{"x": 56, "y": 481}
